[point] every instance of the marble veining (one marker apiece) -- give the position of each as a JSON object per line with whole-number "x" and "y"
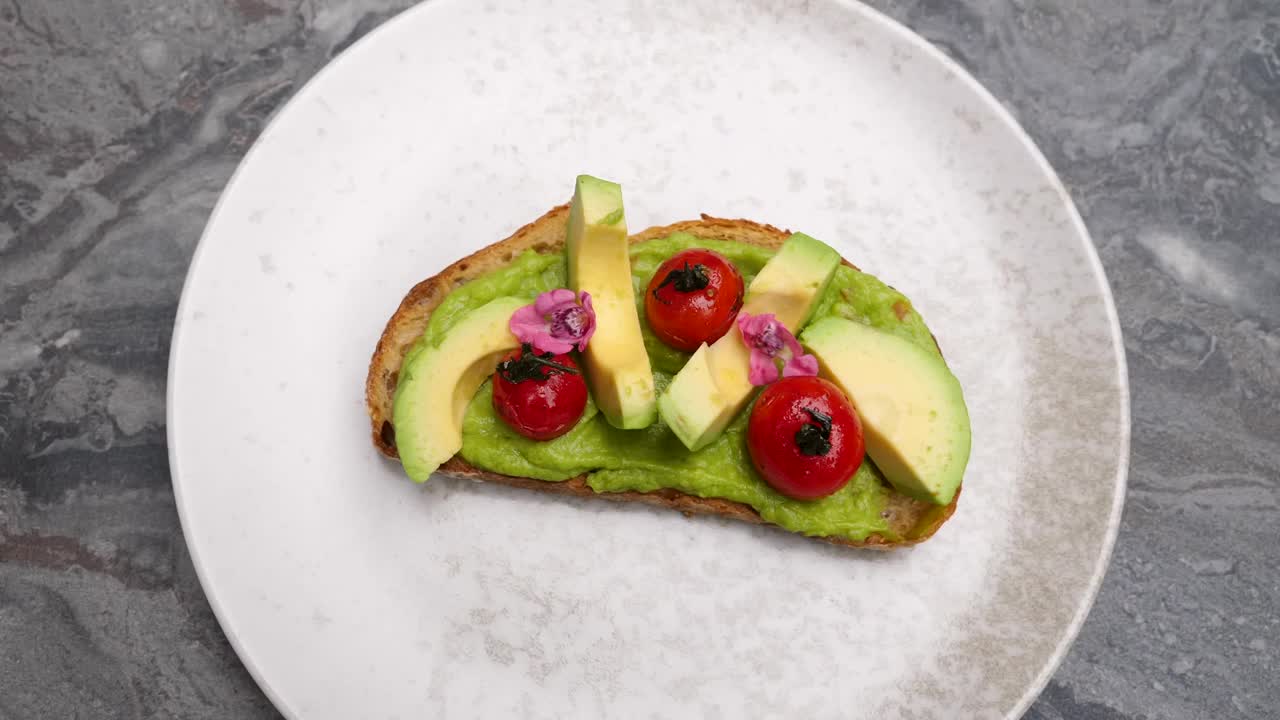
{"x": 120, "y": 124}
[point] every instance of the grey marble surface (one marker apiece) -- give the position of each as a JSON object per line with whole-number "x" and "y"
{"x": 121, "y": 121}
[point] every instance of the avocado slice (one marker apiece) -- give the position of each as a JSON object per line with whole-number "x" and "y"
{"x": 436, "y": 384}
{"x": 617, "y": 366}
{"x": 914, "y": 419}
{"x": 712, "y": 387}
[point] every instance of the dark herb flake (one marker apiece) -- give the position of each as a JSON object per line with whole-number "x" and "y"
{"x": 686, "y": 279}
{"x": 814, "y": 438}
{"x": 531, "y": 366}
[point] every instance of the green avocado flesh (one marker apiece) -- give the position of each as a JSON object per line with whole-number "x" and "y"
{"x": 653, "y": 458}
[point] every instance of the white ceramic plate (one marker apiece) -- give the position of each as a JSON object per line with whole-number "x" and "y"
{"x": 350, "y": 592}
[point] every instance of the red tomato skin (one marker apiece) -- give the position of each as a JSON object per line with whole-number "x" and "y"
{"x": 777, "y": 416}
{"x": 685, "y": 320}
{"x": 541, "y": 409}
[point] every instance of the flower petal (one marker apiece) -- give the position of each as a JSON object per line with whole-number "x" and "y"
{"x": 801, "y": 366}
{"x": 752, "y": 326}
{"x": 763, "y": 369}
{"x": 772, "y": 344}
{"x": 546, "y": 343}
{"x": 527, "y": 322}
{"x": 590, "y": 329}
{"x": 551, "y": 299}
{"x": 529, "y": 326}
{"x": 791, "y": 342}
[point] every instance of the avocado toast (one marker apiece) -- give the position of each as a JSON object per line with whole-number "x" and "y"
{"x": 885, "y": 517}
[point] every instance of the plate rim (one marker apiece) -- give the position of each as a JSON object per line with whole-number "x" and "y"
{"x": 884, "y": 22}
{"x": 1103, "y": 561}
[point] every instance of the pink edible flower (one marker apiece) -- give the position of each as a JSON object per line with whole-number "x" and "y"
{"x": 555, "y": 322}
{"x": 772, "y": 344}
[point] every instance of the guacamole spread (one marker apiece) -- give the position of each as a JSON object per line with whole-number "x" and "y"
{"x": 652, "y": 458}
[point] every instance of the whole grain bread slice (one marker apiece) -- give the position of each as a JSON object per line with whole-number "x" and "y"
{"x": 912, "y": 520}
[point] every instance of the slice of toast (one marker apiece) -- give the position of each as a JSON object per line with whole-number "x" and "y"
{"x": 913, "y": 520}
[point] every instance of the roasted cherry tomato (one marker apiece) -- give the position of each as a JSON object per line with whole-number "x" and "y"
{"x": 805, "y": 438}
{"x": 540, "y": 395}
{"x": 693, "y": 298}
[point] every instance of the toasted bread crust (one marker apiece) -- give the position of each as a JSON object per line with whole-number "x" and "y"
{"x": 913, "y": 520}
